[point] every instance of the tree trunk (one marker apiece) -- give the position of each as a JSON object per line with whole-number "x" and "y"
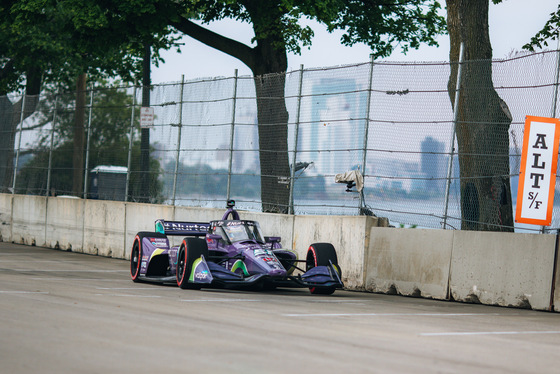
{"x": 79, "y": 136}
{"x": 268, "y": 61}
{"x": 483, "y": 122}
{"x": 272, "y": 116}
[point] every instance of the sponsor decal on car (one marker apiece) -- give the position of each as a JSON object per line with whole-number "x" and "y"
{"x": 239, "y": 266}
{"x": 233, "y": 223}
{"x": 200, "y": 272}
{"x": 185, "y": 226}
{"x": 261, "y": 252}
{"x": 202, "y": 275}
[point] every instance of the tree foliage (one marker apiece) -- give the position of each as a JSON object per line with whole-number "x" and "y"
{"x": 59, "y": 39}
{"x": 108, "y": 143}
{"x": 55, "y": 41}
{"x": 549, "y": 32}
{"x": 63, "y": 38}
{"x": 381, "y": 24}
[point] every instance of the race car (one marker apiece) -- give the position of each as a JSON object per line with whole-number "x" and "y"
{"x": 229, "y": 253}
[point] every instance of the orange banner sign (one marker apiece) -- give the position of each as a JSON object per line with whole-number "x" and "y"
{"x": 537, "y": 175}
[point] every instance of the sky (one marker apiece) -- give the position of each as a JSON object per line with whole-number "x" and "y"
{"x": 512, "y": 24}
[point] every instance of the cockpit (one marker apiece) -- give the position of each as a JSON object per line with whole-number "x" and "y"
{"x": 238, "y": 231}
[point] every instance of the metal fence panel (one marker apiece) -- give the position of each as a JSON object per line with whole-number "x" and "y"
{"x": 391, "y": 121}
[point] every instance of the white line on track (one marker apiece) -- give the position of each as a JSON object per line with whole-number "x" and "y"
{"x": 124, "y": 288}
{"x": 69, "y": 271}
{"x": 23, "y": 292}
{"x": 356, "y": 302}
{"x": 79, "y": 279}
{"x": 40, "y": 261}
{"x": 219, "y": 300}
{"x": 390, "y": 314}
{"x": 127, "y": 295}
{"x": 471, "y": 333}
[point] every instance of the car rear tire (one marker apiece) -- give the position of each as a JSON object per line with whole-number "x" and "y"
{"x": 321, "y": 254}
{"x": 136, "y": 253}
{"x": 189, "y": 251}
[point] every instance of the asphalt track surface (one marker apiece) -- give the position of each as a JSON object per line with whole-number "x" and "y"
{"x": 64, "y": 312}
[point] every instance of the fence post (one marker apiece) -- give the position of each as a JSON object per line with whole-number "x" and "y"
{"x": 87, "y": 142}
{"x": 228, "y": 192}
{"x": 296, "y": 135}
{"x": 455, "y": 118}
{"x": 180, "y": 124}
{"x": 366, "y": 131}
{"x": 130, "y": 141}
{"x": 49, "y": 169}
{"x": 555, "y": 98}
{"x": 19, "y": 143}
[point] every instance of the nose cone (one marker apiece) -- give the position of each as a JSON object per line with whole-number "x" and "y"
{"x": 278, "y": 273}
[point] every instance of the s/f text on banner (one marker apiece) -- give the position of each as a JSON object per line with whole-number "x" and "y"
{"x": 537, "y": 175}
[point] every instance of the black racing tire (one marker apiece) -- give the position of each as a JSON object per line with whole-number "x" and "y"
{"x": 321, "y": 254}
{"x": 136, "y": 252}
{"x": 189, "y": 251}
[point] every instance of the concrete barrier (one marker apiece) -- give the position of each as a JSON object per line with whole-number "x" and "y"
{"x": 64, "y": 223}
{"x": 556, "y": 284}
{"x": 6, "y": 217}
{"x": 502, "y": 269}
{"x": 409, "y": 262}
{"x": 28, "y": 219}
{"x": 104, "y": 228}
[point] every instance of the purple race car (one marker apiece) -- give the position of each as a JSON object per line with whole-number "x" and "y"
{"x": 229, "y": 253}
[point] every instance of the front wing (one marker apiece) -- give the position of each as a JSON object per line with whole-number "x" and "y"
{"x": 210, "y": 274}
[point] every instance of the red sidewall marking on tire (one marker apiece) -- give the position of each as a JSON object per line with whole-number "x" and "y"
{"x": 184, "y": 244}
{"x": 135, "y": 275}
{"x": 312, "y": 290}
{"x": 314, "y": 255}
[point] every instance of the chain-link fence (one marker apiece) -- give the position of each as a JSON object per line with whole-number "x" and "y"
{"x": 276, "y": 143}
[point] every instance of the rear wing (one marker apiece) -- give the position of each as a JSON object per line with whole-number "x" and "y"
{"x": 182, "y": 228}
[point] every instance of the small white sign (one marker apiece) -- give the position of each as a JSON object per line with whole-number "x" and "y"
{"x": 146, "y": 117}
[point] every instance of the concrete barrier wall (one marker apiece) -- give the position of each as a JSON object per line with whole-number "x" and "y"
{"x": 556, "y": 283}
{"x": 6, "y": 217}
{"x": 503, "y": 269}
{"x": 104, "y": 228}
{"x": 492, "y": 268}
{"x": 64, "y": 223}
{"x": 28, "y": 219}
{"x": 410, "y": 262}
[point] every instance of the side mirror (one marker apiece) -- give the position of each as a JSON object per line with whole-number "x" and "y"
{"x": 272, "y": 239}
